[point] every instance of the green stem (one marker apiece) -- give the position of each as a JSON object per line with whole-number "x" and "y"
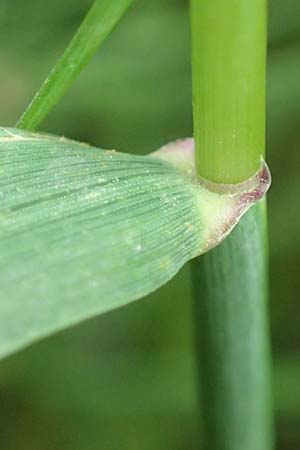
{"x": 232, "y": 328}
{"x": 229, "y": 48}
{"x": 230, "y": 282}
{"x": 96, "y": 26}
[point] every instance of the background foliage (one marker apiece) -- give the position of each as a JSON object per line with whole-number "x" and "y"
{"x": 126, "y": 380}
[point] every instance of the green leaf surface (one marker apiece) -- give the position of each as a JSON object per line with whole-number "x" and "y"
{"x": 84, "y": 230}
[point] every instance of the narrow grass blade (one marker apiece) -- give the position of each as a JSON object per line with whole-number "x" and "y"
{"x": 98, "y": 23}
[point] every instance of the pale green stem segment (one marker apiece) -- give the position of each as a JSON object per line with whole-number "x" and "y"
{"x": 229, "y": 47}
{"x": 229, "y": 54}
{"x": 98, "y": 23}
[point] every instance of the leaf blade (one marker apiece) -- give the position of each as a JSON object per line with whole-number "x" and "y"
{"x": 96, "y": 26}
{"x": 83, "y": 231}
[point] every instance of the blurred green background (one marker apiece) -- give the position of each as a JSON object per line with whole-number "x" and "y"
{"x": 127, "y": 380}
